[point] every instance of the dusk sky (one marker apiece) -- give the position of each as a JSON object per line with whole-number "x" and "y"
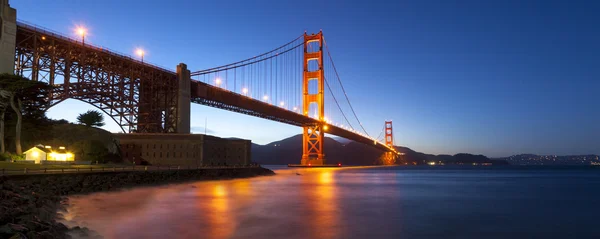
{"x": 486, "y": 77}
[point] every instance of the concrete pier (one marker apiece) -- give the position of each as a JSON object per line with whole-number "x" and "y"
{"x": 8, "y": 37}
{"x": 183, "y": 99}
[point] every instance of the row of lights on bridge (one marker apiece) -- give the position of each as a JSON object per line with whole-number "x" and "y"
{"x": 265, "y": 98}
{"x": 82, "y": 31}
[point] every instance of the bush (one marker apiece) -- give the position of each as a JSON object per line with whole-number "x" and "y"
{"x": 4, "y": 157}
{"x": 11, "y": 157}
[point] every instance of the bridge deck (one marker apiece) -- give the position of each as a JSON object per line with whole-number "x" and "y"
{"x": 112, "y": 71}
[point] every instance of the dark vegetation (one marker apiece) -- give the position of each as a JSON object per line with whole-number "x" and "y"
{"x": 86, "y": 143}
{"x": 91, "y": 118}
{"x": 23, "y": 124}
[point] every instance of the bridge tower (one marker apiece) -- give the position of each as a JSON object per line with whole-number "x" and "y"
{"x": 313, "y": 135}
{"x": 389, "y": 134}
{"x": 389, "y": 158}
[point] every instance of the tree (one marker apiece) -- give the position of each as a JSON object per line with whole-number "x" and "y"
{"x": 4, "y": 97}
{"x": 91, "y": 118}
{"x": 21, "y": 91}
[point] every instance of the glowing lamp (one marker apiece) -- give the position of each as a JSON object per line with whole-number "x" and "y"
{"x": 218, "y": 81}
{"x": 81, "y": 31}
{"x": 245, "y": 91}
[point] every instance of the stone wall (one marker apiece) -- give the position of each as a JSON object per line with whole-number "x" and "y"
{"x": 193, "y": 150}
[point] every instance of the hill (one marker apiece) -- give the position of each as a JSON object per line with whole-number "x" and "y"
{"x": 86, "y": 143}
{"x": 289, "y": 151}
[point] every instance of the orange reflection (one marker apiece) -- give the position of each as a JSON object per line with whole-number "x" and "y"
{"x": 325, "y": 178}
{"x": 218, "y": 213}
{"x": 219, "y": 191}
{"x": 244, "y": 195}
{"x": 323, "y": 203}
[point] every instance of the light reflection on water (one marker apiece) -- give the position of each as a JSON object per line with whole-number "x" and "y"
{"x": 353, "y": 203}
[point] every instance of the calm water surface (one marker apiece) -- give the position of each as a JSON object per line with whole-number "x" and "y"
{"x": 391, "y": 202}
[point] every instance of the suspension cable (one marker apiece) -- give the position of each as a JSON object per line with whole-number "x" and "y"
{"x": 342, "y": 86}
{"x": 251, "y": 58}
{"x": 336, "y": 102}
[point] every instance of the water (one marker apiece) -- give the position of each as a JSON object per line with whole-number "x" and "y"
{"x": 392, "y": 202}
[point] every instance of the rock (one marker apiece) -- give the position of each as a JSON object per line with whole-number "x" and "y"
{"x": 59, "y": 227}
{"x": 32, "y": 203}
{"x": 45, "y": 235}
{"x": 6, "y": 231}
{"x": 36, "y": 226}
{"x": 18, "y": 228}
{"x": 18, "y": 236}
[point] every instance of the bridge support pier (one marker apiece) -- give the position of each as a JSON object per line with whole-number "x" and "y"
{"x": 183, "y": 99}
{"x": 8, "y": 37}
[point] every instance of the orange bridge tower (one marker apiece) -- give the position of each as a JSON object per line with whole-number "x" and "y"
{"x": 312, "y": 138}
{"x": 389, "y": 134}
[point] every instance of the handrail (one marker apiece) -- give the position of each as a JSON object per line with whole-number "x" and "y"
{"x": 33, "y": 27}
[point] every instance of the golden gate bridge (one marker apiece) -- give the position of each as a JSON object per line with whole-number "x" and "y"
{"x": 296, "y": 83}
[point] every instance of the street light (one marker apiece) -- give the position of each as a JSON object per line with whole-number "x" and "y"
{"x": 245, "y": 91}
{"x": 140, "y": 53}
{"x": 218, "y": 81}
{"x": 81, "y": 31}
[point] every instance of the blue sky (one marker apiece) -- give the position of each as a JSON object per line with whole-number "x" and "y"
{"x": 490, "y": 77}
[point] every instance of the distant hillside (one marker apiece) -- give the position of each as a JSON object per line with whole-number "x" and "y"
{"x": 532, "y": 159}
{"x": 289, "y": 151}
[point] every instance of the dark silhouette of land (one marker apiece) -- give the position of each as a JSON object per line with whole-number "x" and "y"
{"x": 288, "y": 151}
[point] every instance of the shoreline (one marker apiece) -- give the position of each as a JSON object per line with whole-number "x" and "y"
{"x": 30, "y": 204}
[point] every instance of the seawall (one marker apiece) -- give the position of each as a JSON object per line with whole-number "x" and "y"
{"x": 29, "y": 203}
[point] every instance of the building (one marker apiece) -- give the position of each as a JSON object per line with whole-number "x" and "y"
{"x": 194, "y": 150}
{"x": 45, "y": 154}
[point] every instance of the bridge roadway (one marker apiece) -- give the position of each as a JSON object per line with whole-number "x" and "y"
{"x": 202, "y": 93}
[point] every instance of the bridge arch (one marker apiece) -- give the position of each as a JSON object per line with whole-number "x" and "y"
{"x": 102, "y": 107}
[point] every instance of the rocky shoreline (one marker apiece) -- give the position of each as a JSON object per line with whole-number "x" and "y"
{"x": 29, "y": 204}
